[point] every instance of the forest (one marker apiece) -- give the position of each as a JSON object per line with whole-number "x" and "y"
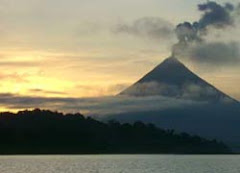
{"x": 47, "y": 132}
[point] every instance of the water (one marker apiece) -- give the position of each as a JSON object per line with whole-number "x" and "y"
{"x": 121, "y": 164}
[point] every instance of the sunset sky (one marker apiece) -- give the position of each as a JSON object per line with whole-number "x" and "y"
{"x": 73, "y": 48}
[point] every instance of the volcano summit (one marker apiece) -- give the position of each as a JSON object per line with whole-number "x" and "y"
{"x": 173, "y": 79}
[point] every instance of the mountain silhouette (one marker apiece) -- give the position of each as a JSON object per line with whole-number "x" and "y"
{"x": 173, "y": 79}
{"x": 46, "y": 132}
{"x": 211, "y": 113}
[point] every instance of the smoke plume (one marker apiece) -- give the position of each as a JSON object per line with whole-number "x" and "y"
{"x": 192, "y": 36}
{"x": 153, "y": 28}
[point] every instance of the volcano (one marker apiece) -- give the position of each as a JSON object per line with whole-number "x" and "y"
{"x": 209, "y": 113}
{"x": 173, "y": 79}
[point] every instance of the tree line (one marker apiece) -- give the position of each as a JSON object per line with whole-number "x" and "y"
{"x": 47, "y": 132}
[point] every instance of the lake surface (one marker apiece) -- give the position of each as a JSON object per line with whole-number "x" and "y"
{"x": 121, "y": 164}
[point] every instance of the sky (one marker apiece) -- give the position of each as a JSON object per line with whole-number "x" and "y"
{"x": 90, "y": 48}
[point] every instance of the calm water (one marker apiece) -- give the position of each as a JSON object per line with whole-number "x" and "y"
{"x": 120, "y": 164}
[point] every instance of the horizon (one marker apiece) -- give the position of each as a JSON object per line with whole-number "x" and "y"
{"x": 119, "y": 86}
{"x": 89, "y": 50}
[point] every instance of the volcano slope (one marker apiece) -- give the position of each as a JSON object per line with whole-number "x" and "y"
{"x": 212, "y": 114}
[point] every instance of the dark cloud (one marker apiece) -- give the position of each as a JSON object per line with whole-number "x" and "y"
{"x": 210, "y": 53}
{"x": 153, "y": 28}
{"x": 215, "y": 15}
{"x": 188, "y": 91}
{"x": 94, "y": 106}
{"x": 192, "y": 36}
{"x": 217, "y": 52}
{"x": 189, "y": 95}
{"x": 187, "y": 32}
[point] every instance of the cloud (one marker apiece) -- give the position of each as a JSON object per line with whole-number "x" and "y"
{"x": 117, "y": 87}
{"x": 153, "y": 28}
{"x": 19, "y": 63}
{"x": 151, "y": 89}
{"x": 103, "y": 90}
{"x": 215, "y": 15}
{"x": 211, "y": 53}
{"x": 217, "y": 52}
{"x": 47, "y": 92}
{"x": 192, "y": 37}
{"x": 94, "y": 106}
{"x": 196, "y": 91}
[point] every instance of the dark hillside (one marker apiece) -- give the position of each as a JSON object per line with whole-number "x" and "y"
{"x": 46, "y": 132}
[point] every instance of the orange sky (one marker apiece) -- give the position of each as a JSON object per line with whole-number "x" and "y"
{"x": 69, "y": 49}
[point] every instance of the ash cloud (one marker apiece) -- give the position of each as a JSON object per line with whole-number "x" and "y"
{"x": 153, "y": 28}
{"x": 217, "y": 52}
{"x": 215, "y": 15}
{"x": 192, "y": 37}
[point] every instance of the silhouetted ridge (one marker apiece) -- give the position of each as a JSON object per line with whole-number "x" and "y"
{"x": 170, "y": 71}
{"x": 46, "y": 132}
{"x": 173, "y": 79}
